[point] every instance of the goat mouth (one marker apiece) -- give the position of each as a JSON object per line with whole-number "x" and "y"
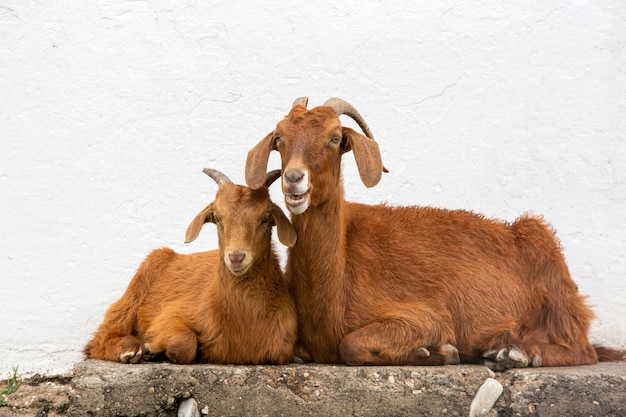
{"x": 238, "y": 269}
{"x": 296, "y": 200}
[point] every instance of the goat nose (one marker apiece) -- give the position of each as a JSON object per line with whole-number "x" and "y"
{"x": 236, "y": 257}
{"x": 294, "y": 177}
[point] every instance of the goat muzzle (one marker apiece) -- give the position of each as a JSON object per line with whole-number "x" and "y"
{"x": 237, "y": 262}
{"x": 296, "y": 190}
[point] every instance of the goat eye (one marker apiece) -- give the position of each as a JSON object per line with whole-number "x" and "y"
{"x": 265, "y": 220}
{"x": 335, "y": 140}
{"x": 277, "y": 140}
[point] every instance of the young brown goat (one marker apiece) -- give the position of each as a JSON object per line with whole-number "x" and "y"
{"x": 400, "y": 285}
{"x": 230, "y": 305}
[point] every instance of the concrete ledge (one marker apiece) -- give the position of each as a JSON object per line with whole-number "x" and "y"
{"x": 110, "y": 389}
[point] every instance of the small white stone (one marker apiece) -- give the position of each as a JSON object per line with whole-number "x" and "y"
{"x": 485, "y": 398}
{"x": 188, "y": 408}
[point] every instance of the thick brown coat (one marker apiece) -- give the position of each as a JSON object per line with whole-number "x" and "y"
{"x": 230, "y": 305}
{"x": 376, "y": 284}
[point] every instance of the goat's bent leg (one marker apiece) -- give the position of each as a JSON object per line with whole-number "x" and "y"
{"x": 175, "y": 339}
{"x": 396, "y": 342}
{"x": 115, "y": 339}
{"x": 109, "y": 347}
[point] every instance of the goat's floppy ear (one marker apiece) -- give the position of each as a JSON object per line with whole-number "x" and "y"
{"x": 256, "y": 162}
{"x": 205, "y": 216}
{"x": 286, "y": 232}
{"x": 366, "y": 154}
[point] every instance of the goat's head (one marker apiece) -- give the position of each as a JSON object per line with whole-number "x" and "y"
{"x": 311, "y": 144}
{"x": 244, "y": 218}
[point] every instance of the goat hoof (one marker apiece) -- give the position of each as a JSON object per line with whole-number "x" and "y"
{"x": 297, "y": 359}
{"x": 450, "y": 354}
{"x": 505, "y": 358}
{"x": 131, "y": 356}
{"x": 490, "y": 354}
{"x": 421, "y": 352}
{"x": 537, "y": 361}
{"x": 519, "y": 358}
{"x": 489, "y": 364}
{"x": 147, "y": 353}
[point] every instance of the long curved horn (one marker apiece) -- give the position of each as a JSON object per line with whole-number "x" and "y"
{"x": 300, "y": 101}
{"x": 219, "y": 177}
{"x": 271, "y": 176}
{"x": 343, "y": 107}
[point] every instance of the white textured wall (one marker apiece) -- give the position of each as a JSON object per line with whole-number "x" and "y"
{"x": 110, "y": 109}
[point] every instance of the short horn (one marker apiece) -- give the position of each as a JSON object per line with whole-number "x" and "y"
{"x": 219, "y": 177}
{"x": 271, "y": 176}
{"x": 343, "y": 107}
{"x": 300, "y": 101}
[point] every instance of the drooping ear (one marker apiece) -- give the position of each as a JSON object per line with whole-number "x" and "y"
{"x": 366, "y": 154}
{"x": 205, "y": 216}
{"x": 256, "y": 162}
{"x": 286, "y": 232}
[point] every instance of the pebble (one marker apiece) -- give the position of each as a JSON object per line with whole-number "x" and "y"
{"x": 188, "y": 408}
{"x": 485, "y": 398}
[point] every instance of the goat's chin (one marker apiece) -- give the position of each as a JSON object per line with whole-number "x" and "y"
{"x": 297, "y": 204}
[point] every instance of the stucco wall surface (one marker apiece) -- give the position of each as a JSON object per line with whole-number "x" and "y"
{"x": 110, "y": 109}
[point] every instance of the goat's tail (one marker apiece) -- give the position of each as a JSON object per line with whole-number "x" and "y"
{"x": 606, "y": 354}
{"x": 121, "y": 317}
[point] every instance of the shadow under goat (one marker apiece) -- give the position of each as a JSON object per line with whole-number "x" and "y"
{"x": 226, "y": 306}
{"x": 383, "y": 285}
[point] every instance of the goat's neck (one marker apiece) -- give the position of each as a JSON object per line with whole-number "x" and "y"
{"x": 321, "y": 242}
{"x": 315, "y": 269}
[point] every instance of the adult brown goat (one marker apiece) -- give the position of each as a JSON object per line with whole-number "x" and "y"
{"x": 230, "y": 305}
{"x": 384, "y": 285}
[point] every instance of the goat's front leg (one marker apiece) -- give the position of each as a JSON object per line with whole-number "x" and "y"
{"x": 173, "y": 337}
{"x": 396, "y": 342}
{"x": 125, "y": 349}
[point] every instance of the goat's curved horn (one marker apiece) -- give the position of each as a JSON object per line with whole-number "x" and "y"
{"x": 300, "y": 101}
{"x": 343, "y": 107}
{"x": 219, "y": 177}
{"x": 271, "y": 176}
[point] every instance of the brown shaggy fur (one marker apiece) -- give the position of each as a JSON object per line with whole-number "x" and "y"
{"x": 376, "y": 284}
{"x": 193, "y": 307}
